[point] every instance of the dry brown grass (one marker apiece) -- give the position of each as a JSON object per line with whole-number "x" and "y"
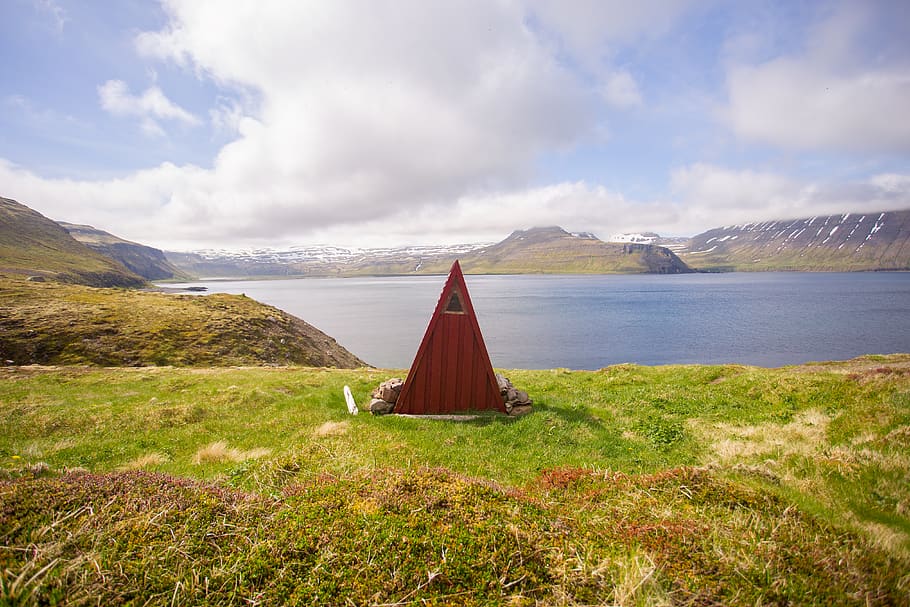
{"x": 802, "y": 436}
{"x": 148, "y": 460}
{"x": 638, "y": 583}
{"x": 884, "y": 537}
{"x": 220, "y": 452}
{"x": 332, "y": 429}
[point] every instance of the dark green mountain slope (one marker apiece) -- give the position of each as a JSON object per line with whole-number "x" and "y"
{"x": 849, "y": 242}
{"x": 33, "y": 245}
{"x": 148, "y": 262}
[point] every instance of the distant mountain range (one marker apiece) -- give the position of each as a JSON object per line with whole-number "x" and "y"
{"x": 31, "y": 244}
{"x": 311, "y": 260}
{"x": 846, "y": 242}
{"x": 549, "y": 250}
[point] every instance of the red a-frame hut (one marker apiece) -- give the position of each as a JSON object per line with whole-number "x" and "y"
{"x": 452, "y": 370}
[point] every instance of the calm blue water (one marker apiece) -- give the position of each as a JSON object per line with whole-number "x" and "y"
{"x": 588, "y": 322}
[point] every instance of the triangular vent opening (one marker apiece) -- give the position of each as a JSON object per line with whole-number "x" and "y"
{"x": 454, "y": 306}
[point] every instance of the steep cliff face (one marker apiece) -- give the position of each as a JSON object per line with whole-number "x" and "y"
{"x": 148, "y": 262}
{"x": 659, "y": 260}
{"x": 848, "y": 242}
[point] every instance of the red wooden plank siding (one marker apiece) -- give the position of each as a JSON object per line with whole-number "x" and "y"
{"x": 463, "y": 362}
{"x": 469, "y": 355}
{"x": 435, "y": 368}
{"x": 451, "y": 371}
{"x": 450, "y": 380}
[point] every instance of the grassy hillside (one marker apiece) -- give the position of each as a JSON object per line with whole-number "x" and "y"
{"x": 550, "y": 251}
{"x": 147, "y": 262}
{"x": 33, "y": 245}
{"x": 631, "y": 485}
{"x": 49, "y": 323}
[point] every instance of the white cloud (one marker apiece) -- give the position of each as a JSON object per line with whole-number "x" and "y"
{"x": 712, "y": 196}
{"x": 793, "y": 104}
{"x": 152, "y": 104}
{"x": 718, "y": 195}
{"x": 847, "y": 91}
{"x": 703, "y": 196}
{"x": 621, "y": 90}
{"x": 54, "y": 11}
{"x": 365, "y": 111}
{"x": 226, "y": 117}
{"x": 588, "y": 35}
{"x": 188, "y": 207}
{"x": 151, "y": 128}
{"x": 892, "y": 183}
{"x": 589, "y": 28}
{"x": 426, "y": 124}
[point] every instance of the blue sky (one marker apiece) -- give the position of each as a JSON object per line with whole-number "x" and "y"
{"x": 198, "y": 123}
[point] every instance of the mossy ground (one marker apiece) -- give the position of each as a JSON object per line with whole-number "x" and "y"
{"x": 679, "y": 485}
{"x": 50, "y": 323}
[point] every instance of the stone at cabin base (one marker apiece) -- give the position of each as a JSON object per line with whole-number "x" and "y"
{"x": 517, "y": 401}
{"x": 389, "y": 390}
{"x": 380, "y": 407}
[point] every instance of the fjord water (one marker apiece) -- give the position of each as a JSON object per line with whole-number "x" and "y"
{"x": 588, "y": 322}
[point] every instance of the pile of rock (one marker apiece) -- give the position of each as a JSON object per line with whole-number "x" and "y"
{"x": 385, "y": 396}
{"x": 517, "y": 401}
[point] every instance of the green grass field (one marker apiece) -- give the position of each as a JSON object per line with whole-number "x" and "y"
{"x": 677, "y": 485}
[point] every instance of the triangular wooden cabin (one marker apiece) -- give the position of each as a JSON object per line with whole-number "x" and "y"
{"x": 452, "y": 370}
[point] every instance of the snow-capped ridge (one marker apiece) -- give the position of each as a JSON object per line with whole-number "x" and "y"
{"x": 635, "y": 237}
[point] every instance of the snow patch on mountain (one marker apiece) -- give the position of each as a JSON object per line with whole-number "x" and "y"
{"x": 331, "y": 254}
{"x": 634, "y": 237}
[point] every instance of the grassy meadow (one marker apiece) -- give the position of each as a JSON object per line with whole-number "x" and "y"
{"x": 675, "y": 485}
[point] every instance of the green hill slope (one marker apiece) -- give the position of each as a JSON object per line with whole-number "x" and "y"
{"x": 47, "y": 323}
{"x": 33, "y": 245}
{"x": 148, "y": 262}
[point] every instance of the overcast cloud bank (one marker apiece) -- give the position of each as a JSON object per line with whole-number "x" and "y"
{"x": 352, "y": 124}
